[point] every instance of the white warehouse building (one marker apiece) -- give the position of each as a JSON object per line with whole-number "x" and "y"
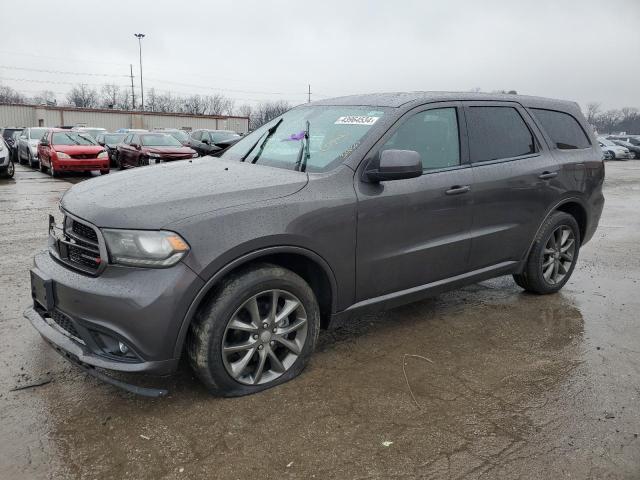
{"x": 19, "y": 115}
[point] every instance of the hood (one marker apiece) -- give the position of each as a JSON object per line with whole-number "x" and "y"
{"x": 168, "y": 150}
{"x": 78, "y": 149}
{"x": 154, "y": 197}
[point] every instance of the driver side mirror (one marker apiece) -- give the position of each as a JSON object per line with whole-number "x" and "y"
{"x": 135, "y": 145}
{"x": 394, "y": 165}
{"x": 44, "y": 142}
{"x": 205, "y": 141}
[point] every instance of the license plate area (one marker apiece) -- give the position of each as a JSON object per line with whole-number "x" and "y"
{"x": 42, "y": 290}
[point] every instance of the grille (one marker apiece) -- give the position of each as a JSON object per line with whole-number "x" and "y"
{"x": 64, "y": 322}
{"x": 85, "y": 155}
{"x": 84, "y": 230}
{"x": 78, "y": 246}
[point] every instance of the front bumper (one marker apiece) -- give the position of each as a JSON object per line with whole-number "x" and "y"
{"x": 78, "y": 165}
{"x": 144, "y": 308}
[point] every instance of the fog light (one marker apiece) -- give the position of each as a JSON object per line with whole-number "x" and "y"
{"x": 123, "y": 348}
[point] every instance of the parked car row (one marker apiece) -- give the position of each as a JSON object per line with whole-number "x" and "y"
{"x": 65, "y": 149}
{"x": 630, "y": 142}
{"x": 615, "y": 150}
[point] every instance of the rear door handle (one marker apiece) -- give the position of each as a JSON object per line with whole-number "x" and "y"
{"x": 547, "y": 175}
{"x": 458, "y": 189}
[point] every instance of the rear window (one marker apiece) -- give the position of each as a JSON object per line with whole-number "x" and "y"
{"x": 497, "y": 133}
{"x": 564, "y": 130}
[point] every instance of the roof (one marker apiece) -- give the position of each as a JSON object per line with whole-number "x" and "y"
{"x": 400, "y": 99}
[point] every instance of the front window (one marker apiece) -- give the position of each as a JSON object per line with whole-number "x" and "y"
{"x": 159, "y": 141}
{"x": 71, "y": 138}
{"x": 37, "y": 133}
{"x": 334, "y": 132}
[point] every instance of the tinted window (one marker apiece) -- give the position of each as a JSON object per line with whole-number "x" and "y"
{"x": 433, "y": 134}
{"x": 496, "y": 133}
{"x": 564, "y": 130}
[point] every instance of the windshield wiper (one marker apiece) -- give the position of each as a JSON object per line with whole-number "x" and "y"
{"x": 268, "y": 133}
{"x": 303, "y": 153}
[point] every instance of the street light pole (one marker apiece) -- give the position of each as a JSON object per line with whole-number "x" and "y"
{"x": 140, "y": 36}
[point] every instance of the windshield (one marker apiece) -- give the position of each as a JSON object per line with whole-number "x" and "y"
{"x": 180, "y": 135}
{"x": 334, "y": 132}
{"x": 10, "y": 132}
{"x": 113, "y": 138}
{"x": 634, "y": 141}
{"x": 606, "y": 142}
{"x": 72, "y": 138}
{"x": 161, "y": 140}
{"x": 37, "y": 133}
{"x": 221, "y": 136}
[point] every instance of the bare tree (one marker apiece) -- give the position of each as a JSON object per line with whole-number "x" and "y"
{"x": 9, "y": 95}
{"x": 82, "y": 96}
{"x": 195, "y": 105}
{"x": 267, "y": 111}
{"x": 152, "y": 100}
{"x": 244, "y": 110}
{"x": 592, "y": 112}
{"x": 220, "y": 104}
{"x": 111, "y": 96}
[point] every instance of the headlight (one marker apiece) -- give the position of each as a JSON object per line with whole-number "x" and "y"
{"x": 144, "y": 248}
{"x": 195, "y": 155}
{"x": 62, "y": 155}
{"x": 154, "y": 155}
{"x": 103, "y": 155}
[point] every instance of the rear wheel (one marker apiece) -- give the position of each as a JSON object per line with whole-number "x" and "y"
{"x": 553, "y": 255}
{"x": 42, "y": 167}
{"x": 257, "y": 332}
{"x": 33, "y": 161}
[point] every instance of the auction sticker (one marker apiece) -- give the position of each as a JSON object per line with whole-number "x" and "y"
{"x": 356, "y": 120}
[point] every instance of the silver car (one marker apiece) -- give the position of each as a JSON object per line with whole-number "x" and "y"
{"x": 28, "y": 146}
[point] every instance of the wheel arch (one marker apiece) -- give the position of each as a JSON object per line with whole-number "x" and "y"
{"x": 575, "y": 207}
{"x": 304, "y": 262}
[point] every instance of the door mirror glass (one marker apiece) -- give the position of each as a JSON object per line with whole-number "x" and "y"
{"x": 394, "y": 165}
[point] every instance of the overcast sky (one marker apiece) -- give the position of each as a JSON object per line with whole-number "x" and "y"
{"x": 254, "y": 50}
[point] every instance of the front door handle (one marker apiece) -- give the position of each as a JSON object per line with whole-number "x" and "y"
{"x": 458, "y": 189}
{"x": 547, "y": 175}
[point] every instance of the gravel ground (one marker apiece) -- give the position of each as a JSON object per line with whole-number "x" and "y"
{"x": 483, "y": 382}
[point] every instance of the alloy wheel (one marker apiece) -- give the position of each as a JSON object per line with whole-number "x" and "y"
{"x": 264, "y": 337}
{"x": 558, "y": 255}
{"x": 10, "y": 169}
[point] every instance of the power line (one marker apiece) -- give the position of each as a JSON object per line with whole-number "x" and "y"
{"x": 61, "y": 72}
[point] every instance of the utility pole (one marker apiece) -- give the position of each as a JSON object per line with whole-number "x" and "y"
{"x": 309, "y": 94}
{"x": 140, "y": 36}
{"x": 133, "y": 94}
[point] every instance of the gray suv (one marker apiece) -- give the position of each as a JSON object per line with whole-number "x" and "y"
{"x": 334, "y": 208}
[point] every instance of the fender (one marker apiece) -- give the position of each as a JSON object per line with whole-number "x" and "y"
{"x": 548, "y": 213}
{"x": 247, "y": 257}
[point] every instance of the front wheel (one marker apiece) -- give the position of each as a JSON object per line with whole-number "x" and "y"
{"x": 257, "y": 332}
{"x": 52, "y": 171}
{"x": 553, "y": 256}
{"x": 10, "y": 171}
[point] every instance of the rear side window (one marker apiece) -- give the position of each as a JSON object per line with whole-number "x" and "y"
{"x": 564, "y": 130}
{"x": 496, "y": 133}
{"x": 433, "y": 134}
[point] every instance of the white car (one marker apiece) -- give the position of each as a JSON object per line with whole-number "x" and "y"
{"x": 6, "y": 162}
{"x": 93, "y": 131}
{"x": 616, "y": 151}
{"x": 28, "y": 145}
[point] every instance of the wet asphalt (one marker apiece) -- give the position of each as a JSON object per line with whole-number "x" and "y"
{"x": 484, "y": 382}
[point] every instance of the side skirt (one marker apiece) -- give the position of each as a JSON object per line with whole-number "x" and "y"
{"x": 402, "y": 297}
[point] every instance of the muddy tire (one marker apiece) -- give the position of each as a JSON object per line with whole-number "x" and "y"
{"x": 553, "y": 256}
{"x": 257, "y": 330}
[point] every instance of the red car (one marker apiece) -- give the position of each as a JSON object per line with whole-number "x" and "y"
{"x": 138, "y": 149}
{"x": 68, "y": 151}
